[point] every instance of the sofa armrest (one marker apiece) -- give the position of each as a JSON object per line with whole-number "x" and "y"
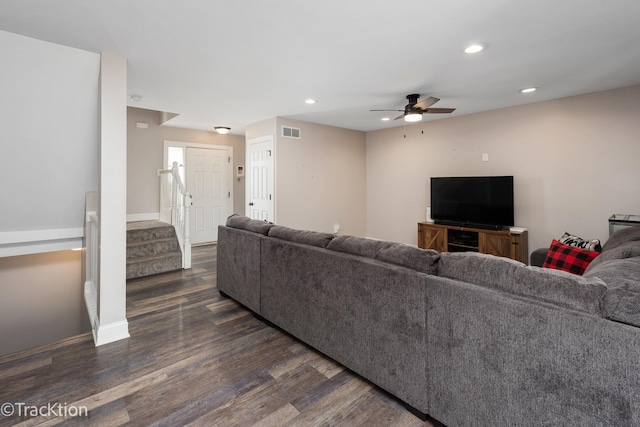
{"x": 538, "y": 256}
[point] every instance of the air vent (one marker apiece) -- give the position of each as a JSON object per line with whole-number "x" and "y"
{"x": 290, "y": 132}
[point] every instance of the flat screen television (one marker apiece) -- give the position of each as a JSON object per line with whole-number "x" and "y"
{"x": 473, "y": 201}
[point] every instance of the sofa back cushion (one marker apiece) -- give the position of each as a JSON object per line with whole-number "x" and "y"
{"x": 629, "y": 234}
{"x": 313, "y": 238}
{"x": 423, "y": 260}
{"x": 358, "y": 245}
{"x": 246, "y": 223}
{"x": 554, "y": 286}
{"x": 619, "y": 267}
{"x": 622, "y": 251}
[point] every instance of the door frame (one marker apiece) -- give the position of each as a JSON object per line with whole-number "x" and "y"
{"x": 247, "y": 189}
{"x": 185, "y": 145}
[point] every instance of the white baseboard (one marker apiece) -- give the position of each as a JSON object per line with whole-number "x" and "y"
{"x": 151, "y": 216}
{"x": 38, "y": 241}
{"x": 105, "y": 334}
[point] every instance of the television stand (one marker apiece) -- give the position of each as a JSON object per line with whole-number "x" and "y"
{"x": 456, "y": 238}
{"x": 470, "y": 225}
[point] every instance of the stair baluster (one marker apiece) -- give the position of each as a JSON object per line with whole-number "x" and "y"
{"x": 175, "y": 202}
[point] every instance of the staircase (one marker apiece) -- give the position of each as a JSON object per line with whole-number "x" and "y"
{"x": 152, "y": 248}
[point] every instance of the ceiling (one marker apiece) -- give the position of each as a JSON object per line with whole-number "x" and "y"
{"x": 234, "y": 63}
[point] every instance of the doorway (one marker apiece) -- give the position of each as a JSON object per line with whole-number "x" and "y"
{"x": 207, "y": 173}
{"x": 260, "y": 194}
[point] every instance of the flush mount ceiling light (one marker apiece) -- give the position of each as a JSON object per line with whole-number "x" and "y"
{"x": 528, "y": 90}
{"x": 310, "y": 101}
{"x": 222, "y": 130}
{"x": 474, "y": 48}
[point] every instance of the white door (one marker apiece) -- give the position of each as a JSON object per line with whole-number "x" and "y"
{"x": 260, "y": 179}
{"x": 208, "y": 182}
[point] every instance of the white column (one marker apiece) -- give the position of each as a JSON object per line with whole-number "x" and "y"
{"x": 113, "y": 324}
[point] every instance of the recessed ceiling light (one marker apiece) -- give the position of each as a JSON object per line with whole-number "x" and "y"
{"x": 385, "y": 119}
{"x": 528, "y": 90}
{"x": 309, "y": 101}
{"x": 474, "y": 48}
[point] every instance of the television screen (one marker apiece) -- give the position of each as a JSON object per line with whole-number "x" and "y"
{"x": 476, "y": 201}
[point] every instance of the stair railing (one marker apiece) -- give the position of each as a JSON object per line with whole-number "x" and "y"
{"x": 175, "y": 203}
{"x": 91, "y": 267}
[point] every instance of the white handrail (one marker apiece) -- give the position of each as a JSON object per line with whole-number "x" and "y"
{"x": 175, "y": 203}
{"x": 91, "y": 259}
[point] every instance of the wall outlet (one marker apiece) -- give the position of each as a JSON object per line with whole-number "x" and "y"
{"x": 336, "y": 228}
{"x": 485, "y": 157}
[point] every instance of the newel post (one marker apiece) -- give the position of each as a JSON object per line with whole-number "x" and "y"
{"x": 186, "y": 233}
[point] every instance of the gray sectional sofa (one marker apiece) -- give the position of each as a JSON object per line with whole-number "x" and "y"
{"x": 469, "y": 339}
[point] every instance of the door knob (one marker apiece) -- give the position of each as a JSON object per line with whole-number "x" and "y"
{"x": 250, "y": 203}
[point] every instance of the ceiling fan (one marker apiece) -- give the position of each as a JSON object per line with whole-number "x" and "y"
{"x": 414, "y": 110}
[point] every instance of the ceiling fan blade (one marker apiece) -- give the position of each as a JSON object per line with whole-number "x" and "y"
{"x": 439, "y": 110}
{"x": 386, "y": 110}
{"x": 399, "y": 117}
{"x": 426, "y": 103}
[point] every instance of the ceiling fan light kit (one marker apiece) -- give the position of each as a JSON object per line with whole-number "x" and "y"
{"x": 413, "y": 117}
{"x": 474, "y": 48}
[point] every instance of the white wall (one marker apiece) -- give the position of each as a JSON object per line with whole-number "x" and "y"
{"x": 49, "y": 143}
{"x": 49, "y": 133}
{"x": 575, "y": 162}
{"x": 320, "y": 178}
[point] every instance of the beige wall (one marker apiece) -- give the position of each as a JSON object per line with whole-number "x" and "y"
{"x": 145, "y": 153}
{"x": 320, "y": 178}
{"x": 575, "y": 162}
{"x": 42, "y": 300}
{"x": 263, "y": 128}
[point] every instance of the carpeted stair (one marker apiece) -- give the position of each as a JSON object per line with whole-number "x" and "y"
{"x": 152, "y": 248}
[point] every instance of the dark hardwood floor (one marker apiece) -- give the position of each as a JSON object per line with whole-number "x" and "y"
{"x": 193, "y": 358}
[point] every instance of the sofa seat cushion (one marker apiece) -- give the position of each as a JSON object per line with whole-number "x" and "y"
{"x": 313, "y": 238}
{"x": 504, "y": 274}
{"x": 246, "y": 223}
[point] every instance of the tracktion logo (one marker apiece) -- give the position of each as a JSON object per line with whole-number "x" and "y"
{"x": 21, "y": 409}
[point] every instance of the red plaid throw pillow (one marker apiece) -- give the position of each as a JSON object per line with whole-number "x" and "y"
{"x": 568, "y": 258}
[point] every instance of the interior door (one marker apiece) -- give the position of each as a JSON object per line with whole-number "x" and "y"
{"x": 260, "y": 194}
{"x": 209, "y": 184}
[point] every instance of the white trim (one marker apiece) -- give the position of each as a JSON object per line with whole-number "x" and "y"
{"x": 38, "y": 241}
{"x": 105, "y": 334}
{"x": 185, "y": 145}
{"x": 151, "y": 216}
